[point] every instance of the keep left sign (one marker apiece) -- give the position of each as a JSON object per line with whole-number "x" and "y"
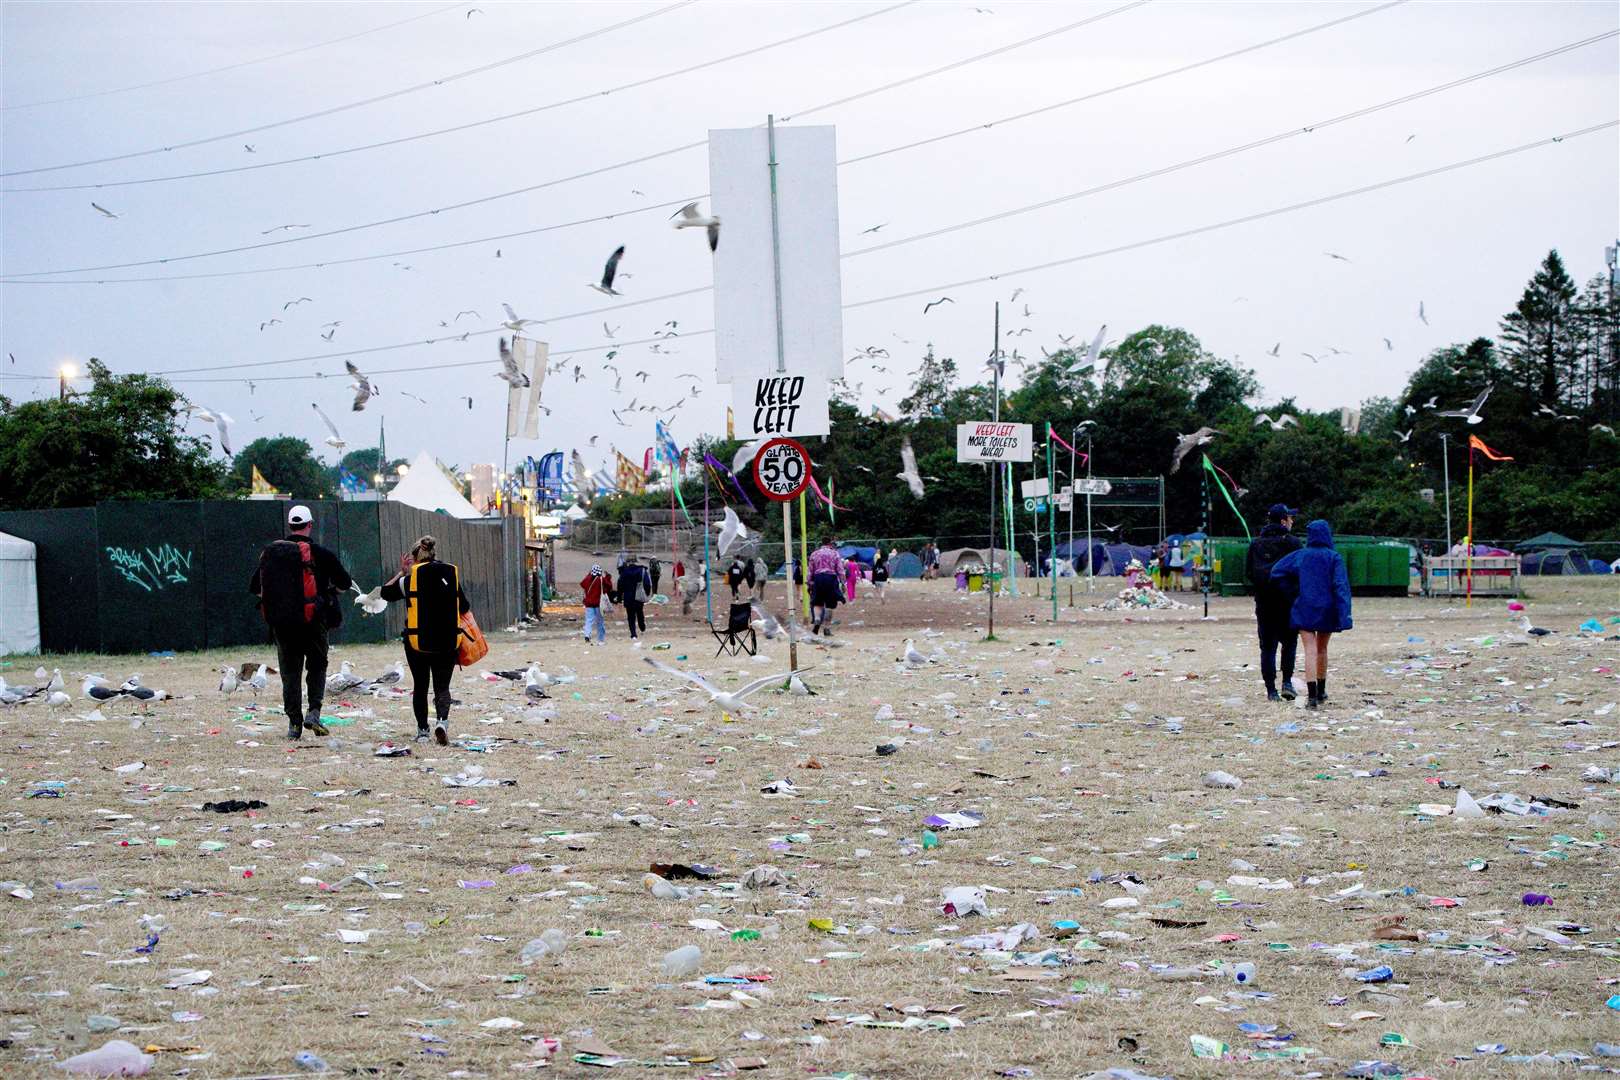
{"x": 779, "y": 403}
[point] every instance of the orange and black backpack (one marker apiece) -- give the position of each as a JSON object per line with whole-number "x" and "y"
{"x": 287, "y": 591}
{"x": 432, "y": 592}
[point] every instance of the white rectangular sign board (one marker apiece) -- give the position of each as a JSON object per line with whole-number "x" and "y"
{"x": 1038, "y": 488}
{"x": 1094, "y": 486}
{"x": 807, "y": 231}
{"x": 779, "y": 403}
{"x": 989, "y": 441}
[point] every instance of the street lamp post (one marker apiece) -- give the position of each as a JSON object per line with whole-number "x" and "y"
{"x": 66, "y": 372}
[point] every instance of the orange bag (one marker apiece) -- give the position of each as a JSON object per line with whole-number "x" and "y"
{"x": 472, "y": 647}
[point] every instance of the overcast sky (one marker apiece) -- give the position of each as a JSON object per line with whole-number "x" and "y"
{"x": 1461, "y": 243}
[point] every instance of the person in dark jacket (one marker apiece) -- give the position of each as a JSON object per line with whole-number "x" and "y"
{"x": 434, "y": 605}
{"x": 297, "y": 582}
{"x": 1271, "y": 604}
{"x": 1315, "y": 576}
{"x": 635, "y": 587}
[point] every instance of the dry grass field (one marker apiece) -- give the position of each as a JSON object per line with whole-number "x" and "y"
{"x": 373, "y": 915}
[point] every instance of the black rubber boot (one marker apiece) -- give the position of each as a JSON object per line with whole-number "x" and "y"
{"x": 1311, "y": 698}
{"x": 1321, "y": 689}
{"x": 1288, "y": 688}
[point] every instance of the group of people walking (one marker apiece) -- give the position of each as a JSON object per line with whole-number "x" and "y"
{"x": 300, "y": 587}
{"x": 1301, "y": 595}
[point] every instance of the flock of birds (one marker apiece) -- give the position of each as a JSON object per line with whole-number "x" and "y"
{"x": 51, "y": 688}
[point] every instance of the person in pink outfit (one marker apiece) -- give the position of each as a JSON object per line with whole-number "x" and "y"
{"x": 852, "y": 574}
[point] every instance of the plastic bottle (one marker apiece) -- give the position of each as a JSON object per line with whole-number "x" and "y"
{"x": 1243, "y": 974}
{"x": 309, "y": 1062}
{"x": 550, "y": 943}
{"x": 682, "y": 961}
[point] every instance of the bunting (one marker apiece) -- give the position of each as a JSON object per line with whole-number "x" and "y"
{"x": 719, "y": 469}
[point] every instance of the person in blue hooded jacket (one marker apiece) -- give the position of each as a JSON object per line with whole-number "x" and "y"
{"x": 1315, "y": 576}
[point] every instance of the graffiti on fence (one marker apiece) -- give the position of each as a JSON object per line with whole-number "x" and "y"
{"x": 153, "y": 569}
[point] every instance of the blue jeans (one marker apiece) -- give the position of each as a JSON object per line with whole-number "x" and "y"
{"x": 593, "y": 618}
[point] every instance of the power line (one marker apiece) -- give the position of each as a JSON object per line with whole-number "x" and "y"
{"x": 1291, "y": 133}
{"x": 1013, "y": 212}
{"x": 499, "y": 195}
{"x": 471, "y": 124}
{"x": 1182, "y": 234}
{"x": 335, "y": 109}
{"x": 226, "y": 67}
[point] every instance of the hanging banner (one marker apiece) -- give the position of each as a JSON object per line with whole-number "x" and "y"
{"x": 990, "y": 441}
{"x": 780, "y": 403}
{"x": 631, "y": 479}
{"x": 523, "y": 402}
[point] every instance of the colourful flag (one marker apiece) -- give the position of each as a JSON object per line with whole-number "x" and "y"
{"x": 631, "y": 479}
{"x": 261, "y": 486}
{"x": 731, "y": 423}
{"x": 1477, "y": 443}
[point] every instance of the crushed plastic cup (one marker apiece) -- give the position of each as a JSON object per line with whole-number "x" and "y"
{"x": 115, "y": 1058}
{"x": 1219, "y": 779}
{"x": 551, "y": 943}
{"x": 309, "y": 1062}
{"x": 681, "y": 962}
{"x": 1466, "y": 806}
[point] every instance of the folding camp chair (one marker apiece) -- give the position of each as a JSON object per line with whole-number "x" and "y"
{"x": 737, "y": 636}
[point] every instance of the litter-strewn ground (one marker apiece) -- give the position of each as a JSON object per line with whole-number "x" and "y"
{"x": 374, "y": 916}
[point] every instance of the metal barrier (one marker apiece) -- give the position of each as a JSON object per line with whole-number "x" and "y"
{"x": 1491, "y": 575}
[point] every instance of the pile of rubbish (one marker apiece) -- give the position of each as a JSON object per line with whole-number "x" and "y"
{"x": 1143, "y": 597}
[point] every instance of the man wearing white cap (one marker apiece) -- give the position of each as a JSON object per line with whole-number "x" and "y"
{"x": 297, "y": 582}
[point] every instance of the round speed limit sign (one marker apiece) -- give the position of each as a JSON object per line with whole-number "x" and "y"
{"x": 781, "y": 469}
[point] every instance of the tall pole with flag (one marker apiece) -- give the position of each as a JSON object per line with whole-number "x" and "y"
{"x": 1474, "y": 443}
{"x": 1051, "y": 515}
{"x": 1204, "y": 480}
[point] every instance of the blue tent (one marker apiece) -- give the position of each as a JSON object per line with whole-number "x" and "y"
{"x": 1601, "y": 567}
{"x": 863, "y": 555}
{"x": 1107, "y": 560}
{"x": 1555, "y": 561}
{"x": 905, "y": 565}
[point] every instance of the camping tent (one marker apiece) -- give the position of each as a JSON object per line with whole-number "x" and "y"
{"x": 949, "y": 561}
{"x": 19, "y": 596}
{"x": 1546, "y": 540}
{"x": 1107, "y": 560}
{"x": 1555, "y": 561}
{"x": 426, "y": 487}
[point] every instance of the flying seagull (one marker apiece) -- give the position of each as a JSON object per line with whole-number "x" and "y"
{"x": 1422, "y": 314}
{"x": 1202, "y": 437}
{"x": 1274, "y": 349}
{"x": 513, "y": 323}
{"x": 279, "y": 228}
{"x": 363, "y": 390}
{"x": 731, "y": 530}
{"x": 1093, "y": 351}
{"x": 936, "y": 303}
{"x": 1389, "y": 346}
{"x": 329, "y": 334}
{"x": 908, "y": 468}
{"x": 295, "y": 303}
{"x": 726, "y": 700}
{"x": 1335, "y": 255}
{"x": 510, "y": 371}
{"x": 873, "y": 229}
{"x": 1286, "y": 420}
{"x": 612, "y": 267}
{"x": 1471, "y": 413}
{"x": 335, "y": 441}
{"x": 1405, "y": 436}
{"x": 221, "y": 424}
{"x": 103, "y": 211}
{"x": 687, "y": 217}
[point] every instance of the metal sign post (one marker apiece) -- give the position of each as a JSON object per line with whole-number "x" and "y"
{"x": 781, "y": 473}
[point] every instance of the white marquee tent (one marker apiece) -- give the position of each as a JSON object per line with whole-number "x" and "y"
{"x": 426, "y": 487}
{"x": 19, "y": 596}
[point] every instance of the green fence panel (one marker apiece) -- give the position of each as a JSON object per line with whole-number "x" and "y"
{"x": 66, "y": 567}
{"x": 150, "y": 576}
{"x": 234, "y": 532}
{"x": 359, "y": 548}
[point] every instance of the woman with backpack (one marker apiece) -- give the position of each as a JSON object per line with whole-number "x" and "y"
{"x": 635, "y": 586}
{"x": 1315, "y": 576}
{"x": 434, "y": 605}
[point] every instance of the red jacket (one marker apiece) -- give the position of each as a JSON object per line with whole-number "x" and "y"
{"x": 596, "y": 587}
